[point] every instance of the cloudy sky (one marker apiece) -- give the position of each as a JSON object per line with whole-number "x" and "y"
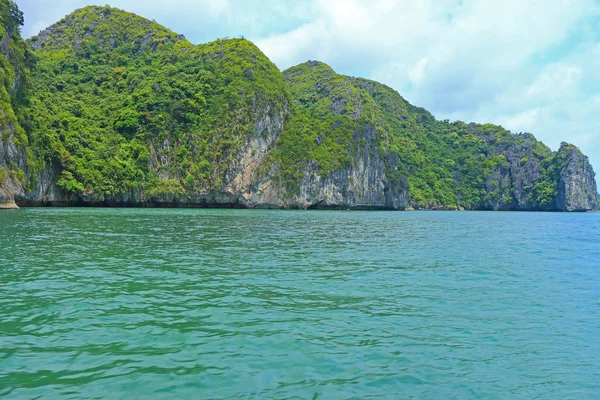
{"x": 528, "y": 65}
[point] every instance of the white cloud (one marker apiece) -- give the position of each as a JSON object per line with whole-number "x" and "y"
{"x": 526, "y": 120}
{"x": 555, "y": 83}
{"x": 304, "y": 38}
{"x": 415, "y": 74}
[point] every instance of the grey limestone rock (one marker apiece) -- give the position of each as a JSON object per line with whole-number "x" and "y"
{"x": 577, "y": 189}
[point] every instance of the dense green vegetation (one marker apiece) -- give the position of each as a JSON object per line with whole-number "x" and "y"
{"x": 15, "y": 62}
{"x": 116, "y": 104}
{"x": 122, "y": 103}
{"x": 327, "y": 111}
{"x": 453, "y": 164}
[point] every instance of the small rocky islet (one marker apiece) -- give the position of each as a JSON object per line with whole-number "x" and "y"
{"x": 107, "y": 108}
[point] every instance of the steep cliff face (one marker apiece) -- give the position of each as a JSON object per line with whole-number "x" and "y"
{"x": 14, "y": 75}
{"x": 332, "y": 153}
{"x": 202, "y": 126}
{"x": 12, "y": 165}
{"x": 577, "y": 189}
{"x": 513, "y": 166}
{"x": 125, "y": 112}
{"x": 9, "y": 181}
{"x": 546, "y": 181}
{"x": 128, "y": 112}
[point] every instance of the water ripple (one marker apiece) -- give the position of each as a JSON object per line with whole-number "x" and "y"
{"x": 132, "y": 303}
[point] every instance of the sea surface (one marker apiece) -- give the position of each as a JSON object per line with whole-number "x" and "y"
{"x": 248, "y": 304}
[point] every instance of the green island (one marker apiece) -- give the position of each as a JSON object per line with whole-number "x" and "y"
{"x": 107, "y": 108}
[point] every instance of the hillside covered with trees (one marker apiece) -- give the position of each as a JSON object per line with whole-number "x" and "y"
{"x": 109, "y": 108}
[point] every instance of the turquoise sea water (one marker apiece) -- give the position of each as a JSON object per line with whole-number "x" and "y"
{"x": 200, "y": 304}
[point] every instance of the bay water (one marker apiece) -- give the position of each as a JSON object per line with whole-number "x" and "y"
{"x": 236, "y": 304}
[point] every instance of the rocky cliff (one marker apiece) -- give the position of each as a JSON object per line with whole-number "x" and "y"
{"x": 14, "y": 79}
{"x": 124, "y": 112}
{"x": 577, "y": 189}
